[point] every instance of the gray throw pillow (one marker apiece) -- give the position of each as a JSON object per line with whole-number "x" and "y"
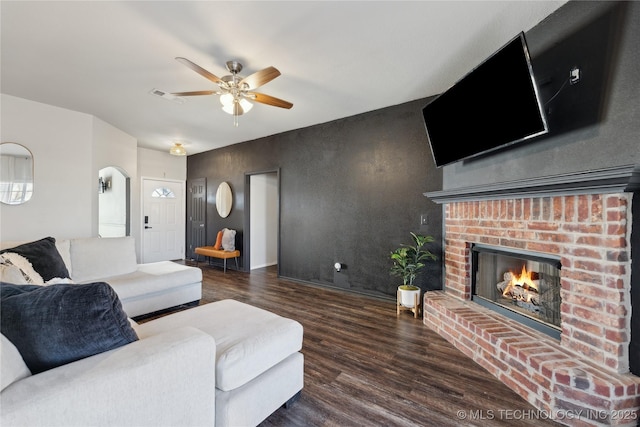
{"x": 228, "y": 239}
{"x": 58, "y": 324}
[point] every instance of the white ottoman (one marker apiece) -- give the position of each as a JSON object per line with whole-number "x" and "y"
{"x": 259, "y": 366}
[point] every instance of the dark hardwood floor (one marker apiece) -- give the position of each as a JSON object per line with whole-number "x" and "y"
{"x": 366, "y": 367}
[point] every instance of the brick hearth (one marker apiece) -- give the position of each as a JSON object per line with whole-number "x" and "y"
{"x": 585, "y": 373}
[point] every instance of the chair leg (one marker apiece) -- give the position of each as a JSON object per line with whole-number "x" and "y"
{"x": 225, "y": 266}
{"x": 237, "y": 268}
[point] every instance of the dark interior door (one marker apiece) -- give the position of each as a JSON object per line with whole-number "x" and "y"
{"x": 196, "y": 215}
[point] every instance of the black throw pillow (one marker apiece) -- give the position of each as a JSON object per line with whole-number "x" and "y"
{"x": 58, "y": 324}
{"x": 44, "y": 257}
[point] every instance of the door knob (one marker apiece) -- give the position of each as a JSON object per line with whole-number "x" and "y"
{"x": 146, "y": 226}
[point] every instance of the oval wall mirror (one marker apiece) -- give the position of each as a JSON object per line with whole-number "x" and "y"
{"x": 16, "y": 173}
{"x": 224, "y": 200}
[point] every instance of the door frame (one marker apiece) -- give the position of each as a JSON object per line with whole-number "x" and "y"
{"x": 246, "y": 238}
{"x": 183, "y": 210}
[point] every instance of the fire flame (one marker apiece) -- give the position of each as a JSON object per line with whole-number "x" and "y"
{"x": 523, "y": 280}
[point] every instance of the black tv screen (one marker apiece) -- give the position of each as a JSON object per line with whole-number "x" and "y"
{"x": 495, "y": 105}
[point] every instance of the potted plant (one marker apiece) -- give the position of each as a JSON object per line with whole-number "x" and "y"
{"x": 408, "y": 260}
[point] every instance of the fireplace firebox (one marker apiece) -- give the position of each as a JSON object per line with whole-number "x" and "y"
{"x": 523, "y": 286}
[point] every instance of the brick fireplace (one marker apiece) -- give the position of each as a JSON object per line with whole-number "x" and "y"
{"x": 585, "y": 221}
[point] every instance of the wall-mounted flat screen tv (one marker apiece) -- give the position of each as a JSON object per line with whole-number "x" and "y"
{"x": 495, "y": 105}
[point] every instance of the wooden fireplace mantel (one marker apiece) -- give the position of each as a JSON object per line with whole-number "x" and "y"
{"x": 617, "y": 179}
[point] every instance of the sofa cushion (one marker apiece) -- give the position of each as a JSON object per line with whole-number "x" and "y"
{"x": 249, "y": 340}
{"x": 12, "y": 366}
{"x": 154, "y": 277}
{"x": 58, "y": 324}
{"x": 96, "y": 258}
{"x": 44, "y": 257}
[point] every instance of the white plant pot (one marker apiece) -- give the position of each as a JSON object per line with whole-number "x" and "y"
{"x": 407, "y": 296}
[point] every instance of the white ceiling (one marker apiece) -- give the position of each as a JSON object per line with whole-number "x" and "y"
{"x": 337, "y": 59}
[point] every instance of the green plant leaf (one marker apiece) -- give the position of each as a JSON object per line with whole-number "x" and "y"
{"x": 408, "y": 259}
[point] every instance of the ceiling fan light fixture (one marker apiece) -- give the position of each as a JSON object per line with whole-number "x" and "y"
{"x": 178, "y": 150}
{"x": 246, "y": 105}
{"x": 227, "y": 100}
{"x": 228, "y": 108}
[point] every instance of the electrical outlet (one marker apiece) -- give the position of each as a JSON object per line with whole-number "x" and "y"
{"x": 574, "y": 75}
{"x": 424, "y": 219}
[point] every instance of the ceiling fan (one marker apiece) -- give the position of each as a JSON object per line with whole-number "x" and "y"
{"x": 236, "y": 91}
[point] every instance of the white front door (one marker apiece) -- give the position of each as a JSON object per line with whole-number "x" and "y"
{"x": 163, "y": 220}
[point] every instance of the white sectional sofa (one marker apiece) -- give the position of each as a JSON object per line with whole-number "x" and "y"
{"x": 163, "y": 380}
{"x": 224, "y": 363}
{"x": 142, "y": 288}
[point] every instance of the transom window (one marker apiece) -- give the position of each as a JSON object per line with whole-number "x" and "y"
{"x": 163, "y": 192}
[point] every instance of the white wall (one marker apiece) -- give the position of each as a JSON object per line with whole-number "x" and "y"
{"x": 65, "y": 186}
{"x": 160, "y": 164}
{"x": 69, "y": 149}
{"x": 263, "y": 202}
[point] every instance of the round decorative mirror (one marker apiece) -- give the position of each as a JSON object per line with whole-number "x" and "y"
{"x": 16, "y": 173}
{"x": 224, "y": 200}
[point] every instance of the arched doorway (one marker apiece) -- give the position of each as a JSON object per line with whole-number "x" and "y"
{"x": 113, "y": 202}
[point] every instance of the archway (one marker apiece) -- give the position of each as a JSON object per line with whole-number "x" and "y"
{"x": 113, "y": 202}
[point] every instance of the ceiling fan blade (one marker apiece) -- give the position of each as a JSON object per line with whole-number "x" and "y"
{"x": 269, "y": 100}
{"x": 195, "y": 93}
{"x": 198, "y": 69}
{"x": 259, "y": 78}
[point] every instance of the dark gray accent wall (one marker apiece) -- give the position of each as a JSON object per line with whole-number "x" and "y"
{"x": 350, "y": 192}
{"x": 594, "y": 124}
